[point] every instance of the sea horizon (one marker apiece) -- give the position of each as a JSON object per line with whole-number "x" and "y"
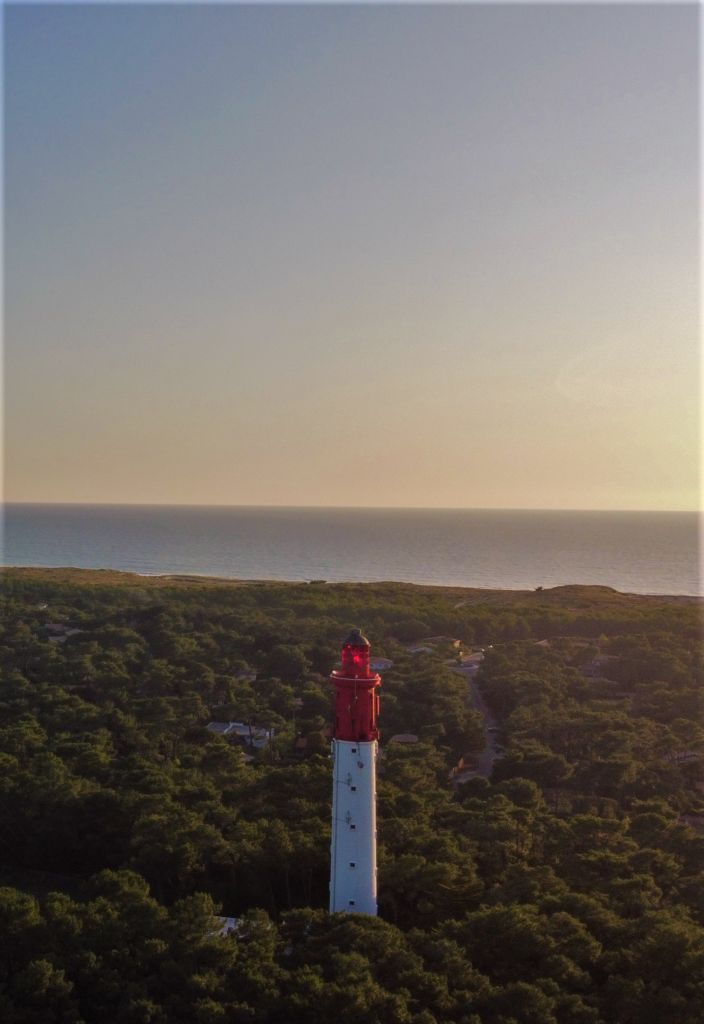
{"x": 371, "y": 508}
{"x": 643, "y": 551}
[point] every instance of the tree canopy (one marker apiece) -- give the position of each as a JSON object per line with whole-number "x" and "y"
{"x": 565, "y": 888}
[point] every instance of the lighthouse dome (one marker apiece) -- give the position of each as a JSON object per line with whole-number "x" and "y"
{"x": 356, "y": 639}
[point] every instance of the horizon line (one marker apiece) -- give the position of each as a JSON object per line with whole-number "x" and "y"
{"x": 369, "y": 508}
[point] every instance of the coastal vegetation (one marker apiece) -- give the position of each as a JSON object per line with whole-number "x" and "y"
{"x": 567, "y": 888}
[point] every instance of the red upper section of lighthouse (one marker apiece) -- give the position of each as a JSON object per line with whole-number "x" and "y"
{"x": 356, "y": 699}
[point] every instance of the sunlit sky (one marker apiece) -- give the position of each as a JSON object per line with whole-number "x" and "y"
{"x": 352, "y": 255}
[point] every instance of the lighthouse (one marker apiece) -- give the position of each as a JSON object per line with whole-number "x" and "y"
{"x": 354, "y": 749}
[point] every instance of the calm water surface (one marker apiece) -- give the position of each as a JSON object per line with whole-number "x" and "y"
{"x": 641, "y": 552}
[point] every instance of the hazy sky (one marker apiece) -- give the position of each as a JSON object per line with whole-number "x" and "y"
{"x": 352, "y": 256}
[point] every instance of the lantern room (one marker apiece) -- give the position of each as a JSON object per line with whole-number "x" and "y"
{"x": 356, "y": 699}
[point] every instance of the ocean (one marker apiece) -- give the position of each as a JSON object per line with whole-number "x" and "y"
{"x": 637, "y": 552}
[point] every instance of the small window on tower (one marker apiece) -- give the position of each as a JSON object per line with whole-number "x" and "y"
{"x": 354, "y": 750}
{"x": 351, "y": 903}
{"x": 353, "y": 789}
{"x": 353, "y": 827}
{"x": 352, "y": 864}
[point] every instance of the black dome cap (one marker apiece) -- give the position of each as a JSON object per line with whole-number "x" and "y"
{"x": 356, "y": 639}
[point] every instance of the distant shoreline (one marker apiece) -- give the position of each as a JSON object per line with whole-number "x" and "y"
{"x": 119, "y": 577}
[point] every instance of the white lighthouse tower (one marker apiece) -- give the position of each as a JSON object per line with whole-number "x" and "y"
{"x": 354, "y": 747}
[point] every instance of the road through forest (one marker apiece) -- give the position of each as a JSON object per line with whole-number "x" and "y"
{"x": 484, "y": 762}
